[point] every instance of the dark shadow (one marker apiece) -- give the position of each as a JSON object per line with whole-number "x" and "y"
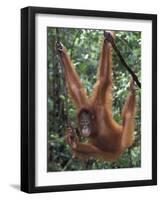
{"x": 15, "y": 186}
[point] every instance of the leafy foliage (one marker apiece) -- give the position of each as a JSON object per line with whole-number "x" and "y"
{"x": 84, "y": 48}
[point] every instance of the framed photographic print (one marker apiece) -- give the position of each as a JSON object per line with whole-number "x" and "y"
{"x": 88, "y": 99}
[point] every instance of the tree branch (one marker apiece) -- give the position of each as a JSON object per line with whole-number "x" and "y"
{"x": 110, "y": 39}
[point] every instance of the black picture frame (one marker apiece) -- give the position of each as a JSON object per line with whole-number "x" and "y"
{"x": 28, "y": 98}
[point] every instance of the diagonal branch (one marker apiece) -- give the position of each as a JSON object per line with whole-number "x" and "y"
{"x": 110, "y": 39}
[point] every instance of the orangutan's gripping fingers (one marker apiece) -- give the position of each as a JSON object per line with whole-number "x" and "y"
{"x": 108, "y": 35}
{"x": 59, "y": 47}
{"x": 71, "y": 139}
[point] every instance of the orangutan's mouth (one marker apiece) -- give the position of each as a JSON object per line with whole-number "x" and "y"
{"x": 85, "y": 132}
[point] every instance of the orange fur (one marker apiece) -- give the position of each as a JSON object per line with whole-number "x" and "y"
{"x": 108, "y": 139}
